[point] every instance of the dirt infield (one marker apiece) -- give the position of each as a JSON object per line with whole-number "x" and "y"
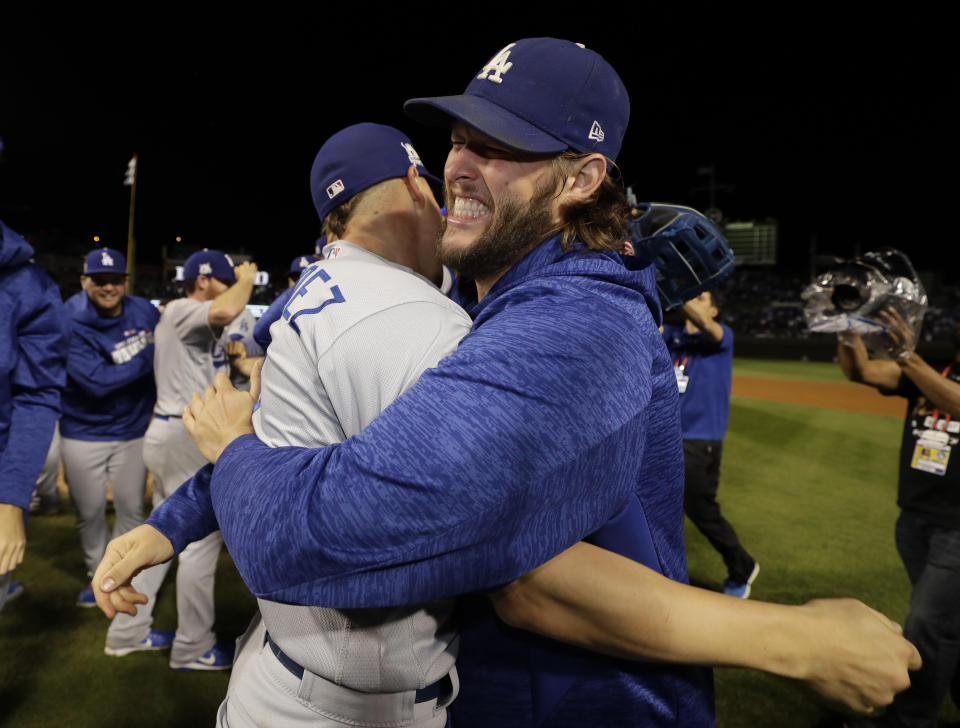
{"x": 833, "y": 395}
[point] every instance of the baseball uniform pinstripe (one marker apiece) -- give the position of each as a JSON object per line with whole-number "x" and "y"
{"x": 357, "y": 332}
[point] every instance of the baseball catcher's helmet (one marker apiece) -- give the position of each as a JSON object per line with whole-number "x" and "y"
{"x": 687, "y": 249}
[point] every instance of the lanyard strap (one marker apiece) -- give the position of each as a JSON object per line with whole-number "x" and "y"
{"x": 936, "y": 410}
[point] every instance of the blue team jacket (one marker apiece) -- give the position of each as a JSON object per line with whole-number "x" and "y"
{"x": 110, "y": 389}
{"x": 261, "y": 331}
{"x": 555, "y": 419}
{"x": 32, "y": 346}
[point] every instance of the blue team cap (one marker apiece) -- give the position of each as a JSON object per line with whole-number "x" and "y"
{"x": 104, "y": 260}
{"x": 542, "y": 96}
{"x": 357, "y": 158}
{"x": 301, "y": 262}
{"x": 213, "y": 263}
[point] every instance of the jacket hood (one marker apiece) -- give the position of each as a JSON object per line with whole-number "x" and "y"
{"x": 550, "y": 258}
{"x": 14, "y": 250}
{"x": 81, "y": 310}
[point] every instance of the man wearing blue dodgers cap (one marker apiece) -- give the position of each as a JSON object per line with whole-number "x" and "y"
{"x": 189, "y": 351}
{"x": 559, "y": 421}
{"x": 107, "y": 405}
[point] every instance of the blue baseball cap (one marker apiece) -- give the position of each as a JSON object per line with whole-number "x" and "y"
{"x": 301, "y": 262}
{"x": 213, "y": 263}
{"x": 357, "y": 158}
{"x": 104, "y": 260}
{"x": 542, "y": 96}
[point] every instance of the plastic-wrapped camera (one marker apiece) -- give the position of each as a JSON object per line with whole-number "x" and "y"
{"x": 848, "y": 297}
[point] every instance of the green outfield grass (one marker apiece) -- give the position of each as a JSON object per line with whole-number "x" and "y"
{"x": 811, "y": 371}
{"x": 810, "y": 491}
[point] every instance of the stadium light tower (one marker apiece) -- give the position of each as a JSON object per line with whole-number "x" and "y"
{"x": 130, "y": 180}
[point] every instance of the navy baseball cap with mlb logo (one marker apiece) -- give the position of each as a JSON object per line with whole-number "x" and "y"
{"x": 104, "y": 260}
{"x": 542, "y": 96}
{"x": 212, "y": 263}
{"x": 357, "y": 158}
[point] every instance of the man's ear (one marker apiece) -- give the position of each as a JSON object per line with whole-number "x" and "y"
{"x": 585, "y": 178}
{"x": 413, "y": 187}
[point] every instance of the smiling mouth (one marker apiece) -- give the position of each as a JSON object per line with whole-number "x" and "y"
{"x": 466, "y": 208}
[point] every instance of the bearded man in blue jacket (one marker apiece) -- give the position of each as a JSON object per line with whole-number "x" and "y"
{"x": 555, "y": 420}
{"x": 107, "y": 405}
{"x": 31, "y": 377}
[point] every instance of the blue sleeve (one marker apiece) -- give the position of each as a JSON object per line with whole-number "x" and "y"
{"x": 261, "y": 332}
{"x": 97, "y": 375}
{"x": 514, "y": 448}
{"x": 187, "y": 515}
{"x": 36, "y": 383}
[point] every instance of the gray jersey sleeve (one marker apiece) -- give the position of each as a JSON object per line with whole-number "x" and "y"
{"x": 191, "y": 322}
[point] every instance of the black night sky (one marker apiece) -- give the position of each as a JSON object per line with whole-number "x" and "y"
{"x": 834, "y": 121}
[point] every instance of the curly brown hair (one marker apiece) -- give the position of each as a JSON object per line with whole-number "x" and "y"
{"x": 600, "y": 222}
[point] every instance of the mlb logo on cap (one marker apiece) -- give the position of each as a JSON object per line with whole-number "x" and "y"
{"x": 104, "y": 260}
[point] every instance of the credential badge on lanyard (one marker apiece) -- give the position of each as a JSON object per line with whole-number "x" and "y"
{"x": 678, "y": 370}
{"x": 931, "y": 454}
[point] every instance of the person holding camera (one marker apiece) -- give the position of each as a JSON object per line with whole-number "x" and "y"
{"x": 928, "y": 529}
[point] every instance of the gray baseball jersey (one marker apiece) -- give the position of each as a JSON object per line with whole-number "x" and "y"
{"x": 241, "y": 329}
{"x": 188, "y": 353}
{"x": 357, "y": 332}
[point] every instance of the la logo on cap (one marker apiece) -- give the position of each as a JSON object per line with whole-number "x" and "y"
{"x": 105, "y": 258}
{"x": 412, "y": 154}
{"x": 497, "y": 66}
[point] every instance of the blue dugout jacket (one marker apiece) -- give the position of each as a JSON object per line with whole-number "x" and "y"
{"x": 110, "y": 389}
{"x": 555, "y": 419}
{"x": 32, "y": 345}
{"x": 261, "y": 332}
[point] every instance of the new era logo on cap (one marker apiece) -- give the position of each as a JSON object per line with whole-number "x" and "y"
{"x": 596, "y": 132}
{"x": 206, "y": 269}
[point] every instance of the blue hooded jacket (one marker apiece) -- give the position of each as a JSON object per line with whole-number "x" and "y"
{"x": 261, "y": 332}
{"x": 32, "y": 345}
{"x": 555, "y": 419}
{"x": 110, "y": 389}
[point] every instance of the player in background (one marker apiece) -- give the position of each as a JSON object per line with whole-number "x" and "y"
{"x": 519, "y": 441}
{"x": 928, "y": 529}
{"x": 261, "y": 332}
{"x": 106, "y": 404}
{"x": 702, "y": 353}
{"x": 189, "y": 351}
{"x": 32, "y": 342}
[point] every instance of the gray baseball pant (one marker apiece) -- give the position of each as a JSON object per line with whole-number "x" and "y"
{"x": 173, "y": 458}
{"x": 264, "y": 692}
{"x": 46, "y": 490}
{"x": 87, "y": 466}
